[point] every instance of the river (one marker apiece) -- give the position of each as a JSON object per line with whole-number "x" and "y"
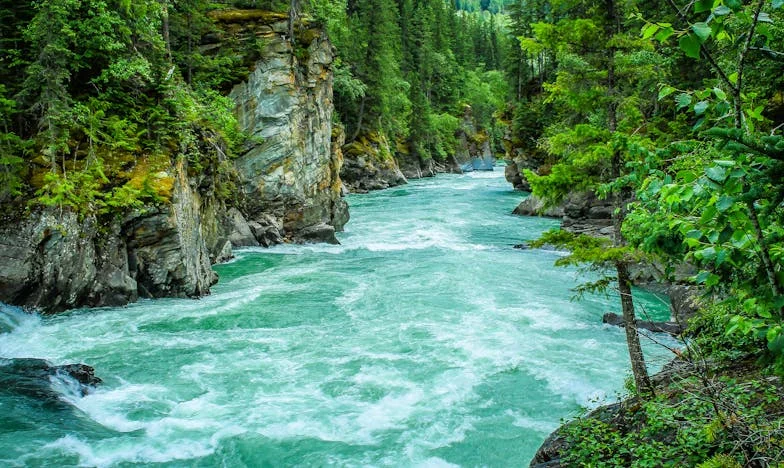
{"x": 424, "y": 339}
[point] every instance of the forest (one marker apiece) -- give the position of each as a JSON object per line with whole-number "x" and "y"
{"x": 89, "y": 87}
{"x": 672, "y": 110}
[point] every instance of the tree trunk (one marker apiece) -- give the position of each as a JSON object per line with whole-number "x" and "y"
{"x": 764, "y": 251}
{"x": 165, "y": 25}
{"x": 639, "y": 370}
{"x": 359, "y": 120}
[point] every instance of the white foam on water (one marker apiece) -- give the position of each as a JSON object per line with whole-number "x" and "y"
{"x": 109, "y": 407}
{"x": 394, "y": 361}
{"x": 534, "y": 424}
{"x": 14, "y": 319}
{"x": 391, "y": 412}
{"x": 110, "y": 453}
{"x": 434, "y": 462}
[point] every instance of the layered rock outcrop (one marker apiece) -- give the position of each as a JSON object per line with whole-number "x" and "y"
{"x": 473, "y": 145}
{"x": 370, "y": 165}
{"x": 291, "y": 177}
{"x": 288, "y": 190}
{"x": 580, "y": 212}
{"x": 54, "y": 260}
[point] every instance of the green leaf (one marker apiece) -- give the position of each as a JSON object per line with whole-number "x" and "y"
{"x": 724, "y": 203}
{"x": 716, "y": 173}
{"x": 722, "y": 10}
{"x": 707, "y": 254}
{"x": 721, "y": 257}
{"x": 702, "y": 30}
{"x": 649, "y": 30}
{"x": 686, "y": 176}
{"x": 719, "y": 93}
{"x": 700, "y": 107}
{"x": 690, "y": 45}
{"x": 777, "y": 4}
{"x": 665, "y": 91}
{"x": 733, "y": 77}
{"x": 734, "y": 5}
{"x": 683, "y": 100}
{"x": 665, "y": 33}
{"x": 776, "y": 345}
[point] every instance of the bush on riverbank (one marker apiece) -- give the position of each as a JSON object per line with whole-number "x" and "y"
{"x": 716, "y": 405}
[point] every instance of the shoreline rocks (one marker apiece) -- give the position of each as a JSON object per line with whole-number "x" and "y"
{"x": 672, "y": 328}
{"x": 288, "y": 189}
{"x": 33, "y": 378}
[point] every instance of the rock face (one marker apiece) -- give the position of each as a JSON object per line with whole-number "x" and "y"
{"x": 370, "y": 165}
{"x": 55, "y": 261}
{"x": 581, "y": 212}
{"x": 514, "y": 176}
{"x": 473, "y": 147}
{"x": 289, "y": 191}
{"x": 413, "y": 167}
{"x": 291, "y": 179}
{"x": 534, "y": 206}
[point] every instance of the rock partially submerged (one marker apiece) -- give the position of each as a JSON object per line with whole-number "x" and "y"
{"x": 534, "y": 206}
{"x": 35, "y": 378}
{"x": 673, "y": 328}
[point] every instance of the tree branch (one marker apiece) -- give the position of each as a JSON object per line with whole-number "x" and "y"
{"x": 741, "y": 63}
{"x": 704, "y": 51}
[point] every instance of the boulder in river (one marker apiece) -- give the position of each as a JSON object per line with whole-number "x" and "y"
{"x": 673, "y": 328}
{"x": 35, "y": 378}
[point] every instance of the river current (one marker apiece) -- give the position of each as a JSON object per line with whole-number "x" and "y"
{"x": 424, "y": 339}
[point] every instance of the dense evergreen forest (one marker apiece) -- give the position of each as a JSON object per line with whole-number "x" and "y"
{"x": 672, "y": 110}
{"x": 675, "y": 112}
{"x": 91, "y": 88}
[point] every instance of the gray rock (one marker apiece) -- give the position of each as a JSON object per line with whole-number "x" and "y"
{"x": 267, "y": 231}
{"x": 534, "y": 206}
{"x": 672, "y": 328}
{"x": 513, "y": 175}
{"x": 368, "y": 165}
{"x": 685, "y": 301}
{"x": 319, "y": 233}
{"x": 33, "y": 378}
{"x": 240, "y": 233}
{"x": 291, "y": 172}
{"x": 223, "y": 253}
{"x": 413, "y": 167}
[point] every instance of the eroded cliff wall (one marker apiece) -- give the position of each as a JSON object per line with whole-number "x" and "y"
{"x": 288, "y": 190}
{"x": 290, "y": 174}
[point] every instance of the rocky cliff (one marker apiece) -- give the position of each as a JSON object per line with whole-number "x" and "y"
{"x": 290, "y": 177}
{"x": 55, "y": 260}
{"x": 288, "y": 189}
{"x": 369, "y": 164}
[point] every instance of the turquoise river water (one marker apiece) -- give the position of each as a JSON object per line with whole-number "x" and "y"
{"x": 424, "y": 339}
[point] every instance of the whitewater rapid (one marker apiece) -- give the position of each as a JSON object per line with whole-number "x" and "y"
{"x": 424, "y": 339}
